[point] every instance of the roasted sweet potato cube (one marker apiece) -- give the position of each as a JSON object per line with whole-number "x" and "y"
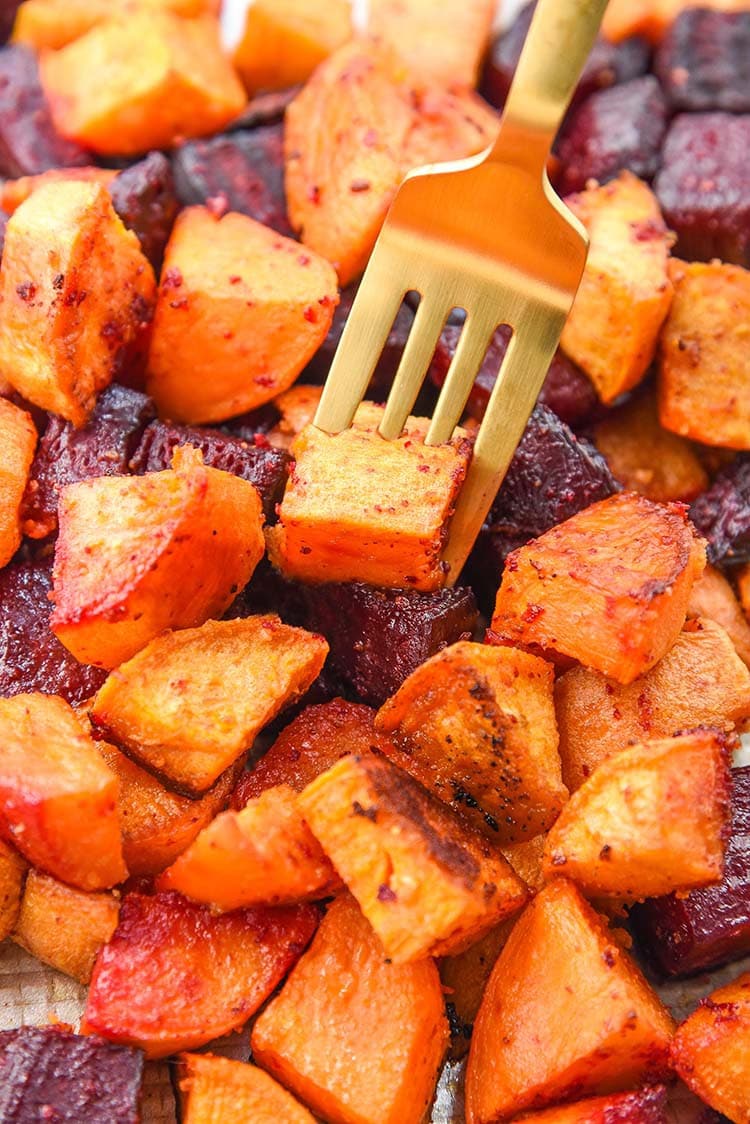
{"x": 713, "y": 598}
{"x": 297, "y": 408}
{"x": 214, "y": 1090}
{"x": 240, "y": 312}
{"x": 167, "y": 78}
{"x": 710, "y": 1049}
{"x": 428, "y": 884}
{"x": 17, "y": 443}
{"x": 15, "y": 192}
{"x": 476, "y": 726}
{"x": 12, "y": 874}
{"x": 609, "y": 587}
{"x": 358, "y": 508}
{"x": 447, "y": 50}
{"x": 449, "y": 125}
{"x": 51, "y": 24}
{"x": 64, "y": 927}
{"x": 285, "y": 40}
{"x": 704, "y": 382}
{"x": 310, "y": 1036}
{"x": 76, "y": 298}
{"x": 651, "y": 819}
{"x": 565, "y": 1009}
{"x": 625, "y": 293}
{"x": 174, "y": 976}
{"x": 136, "y": 555}
{"x": 190, "y": 704}
{"x": 262, "y": 855}
{"x": 52, "y": 780}
{"x": 643, "y": 1106}
{"x": 701, "y": 681}
{"x": 464, "y": 978}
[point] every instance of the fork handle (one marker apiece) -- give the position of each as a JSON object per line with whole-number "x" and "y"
{"x": 557, "y": 45}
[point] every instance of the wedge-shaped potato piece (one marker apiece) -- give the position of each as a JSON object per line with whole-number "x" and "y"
{"x": 215, "y": 1090}
{"x": 358, "y": 508}
{"x": 174, "y": 977}
{"x": 652, "y": 819}
{"x": 240, "y": 312}
{"x": 136, "y": 555}
{"x": 52, "y": 781}
{"x": 565, "y": 1010}
{"x": 428, "y": 884}
{"x": 625, "y": 293}
{"x": 713, "y": 598}
{"x": 190, "y": 704}
{"x": 704, "y": 381}
{"x": 265, "y": 854}
{"x": 76, "y": 298}
{"x": 12, "y": 873}
{"x": 285, "y": 40}
{"x": 310, "y": 1037}
{"x": 167, "y": 79}
{"x": 17, "y": 444}
{"x": 63, "y": 927}
{"x": 643, "y": 1106}
{"x": 700, "y": 682}
{"x": 443, "y": 44}
{"x": 16, "y": 192}
{"x": 710, "y": 1050}
{"x": 51, "y": 24}
{"x": 609, "y": 587}
{"x": 476, "y": 726}
{"x": 464, "y": 978}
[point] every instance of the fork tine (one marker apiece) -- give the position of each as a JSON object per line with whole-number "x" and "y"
{"x": 420, "y": 348}
{"x": 464, "y": 367}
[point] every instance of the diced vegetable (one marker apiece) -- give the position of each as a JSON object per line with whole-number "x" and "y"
{"x": 297, "y": 407}
{"x": 464, "y": 978}
{"x": 51, "y": 24}
{"x": 526, "y": 860}
{"x": 652, "y": 17}
{"x": 15, "y": 192}
{"x": 144, "y": 196}
{"x": 644, "y": 1106}
{"x": 713, "y": 598}
{"x": 12, "y": 874}
{"x": 285, "y": 40}
{"x": 445, "y": 48}
{"x": 17, "y": 443}
{"x": 214, "y": 1090}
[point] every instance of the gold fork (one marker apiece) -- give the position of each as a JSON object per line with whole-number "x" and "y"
{"x": 487, "y": 235}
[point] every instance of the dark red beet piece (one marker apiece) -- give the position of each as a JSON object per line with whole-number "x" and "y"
{"x": 683, "y": 935}
{"x": 244, "y": 171}
{"x": 29, "y": 142}
{"x": 722, "y": 514}
{"x": 703, "y": 62}
{"x": 253, "y": 424}
{"x": 66, "y": 454}
{"x": 265, "y": 109}
{"x": 8, "y": 9}
{"x": 49, "y": 1073}
{"x": 144, "y": 197}
{"x": 703, "y": 186}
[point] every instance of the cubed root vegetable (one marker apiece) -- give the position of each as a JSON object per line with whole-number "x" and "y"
{"x": 643, "y": 1106}
{"x": 51, "y": 24}
{"x": 285, "y": 40}
{"x": 15, "y": 192}
{"x": 700, "y": 682}
{"x": 713, "y": 598}
{"x": 625, "y": 293}
{"x": 76, "y": 298}
{"x": 17, "y": 444}
{"x": 464, "y": 978}
{"x": 609, "y": 587}
{"x": 428, "y": 884}
{"x": 63, "y": 927}
{"x": 447, "y": 50}
{"x": 297, "y": 407}
{"x": 476, "y": 726}
{"x": 704, "y": 382}
{"x": 214, "y": 1090}
{"x": 137, "y": 555}
{"x": 710, "y": 1050}
{"x": 190, "y": 704}
{"x": 174, "y": 977}
{"x": 652, "y": 819}
{"x": 566, "y": 1013}
{"x": 53, "y": 780}
{"x": 241, "y": 310}
{"x": 167, "y": 79}
{"x": 526, "y": 860}
{"x": 358, "y": 508}
{"x": 357, "y": 1038}
{"x": 12, "y": 874}
{"x": 652, "y": 18}
{"x": 265, "y": 854}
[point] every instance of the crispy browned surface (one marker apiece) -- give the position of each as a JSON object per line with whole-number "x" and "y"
{"x": 12, "y": 872}
{"x": 643, "y": 1106}
{"x": 214, "y": 1090}
{"x": 446, "y": 50}
{"x": 713, "y": 598}
{"x": 17, "y": 444}
{"x": 285, "y": 40}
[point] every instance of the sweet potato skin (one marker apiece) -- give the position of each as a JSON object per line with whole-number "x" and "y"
{"x": 17, "y": 444}
{"x": 446, "y": 50}
{"x": 285, "y": 40}
{"x": 644, "y": 1106}
{"x": 12, "y": 873}
{"x": 713, "y": 598}
{"x": 215, "y": 1089}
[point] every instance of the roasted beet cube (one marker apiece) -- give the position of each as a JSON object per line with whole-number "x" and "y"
{"x": 265, "y": 467}
{"x": 29, "y": 142}
{"x": 65, "y": 454}
{"x": 703, "y": 186}
{"x": 50, "y": 1073}
{"x": 707, "y": 927}
{"x": 722, "y": 514}
{"x": 253, "y": 424}
{"x": 145, "y": 199}
{"x": 243, "y": 171}
{"x": 265, "y": 109}
{"x": 8, "y": 9}
{"x": 704, "y": 61}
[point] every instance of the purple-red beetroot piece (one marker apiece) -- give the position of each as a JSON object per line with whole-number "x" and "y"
{"x": 704, "y": 61}
{"x": 722, "y": 514}
{"x": 8, "y": 9}
{"x": 144, "y": 197}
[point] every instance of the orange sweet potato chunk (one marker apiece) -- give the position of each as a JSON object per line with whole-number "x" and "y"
{"x": 53, "y": 780}
{"x": 643, "y": 1106}
{"x": 214, "y": 1090}
{"x": 625, "y": 294}
{"x": 649, "y": 820}
{"x": 174, "y": 976}
{"x": 357, "y": 1038}
{"x": 240, "y": 312}
{"x": 713, "y": 598}
{"x": 464, "y": 978}
{"x": 64, "y": 927}
{"x": 476, "y": 726}
{"x": 51, "y": 24}
{"x": 566, "y": 1012}
{"x": 704, "y": 381}
{"x": 190, "y": 704}
{"x": 12, "y": 874}
{"x": 444, "y": 45}
{"x": 653, "y": 17}
{"x": 265, "y": 854}
{"x": 448, "y": 125}
{"x": 297, "y": 407}
{"x": 167, "y": 79}
{"x": 358, "y": 508}
{"x": 428, "y": 884}
{"x": 285, "y": 40}
{"x": 609, "y": 587}
{"x": 137, "y": 555}
{"x": 700, "y": 682}
{"x": 17, "y": 445}
{"x": 76, "y": 298}
{"x": 15, "y": 192}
